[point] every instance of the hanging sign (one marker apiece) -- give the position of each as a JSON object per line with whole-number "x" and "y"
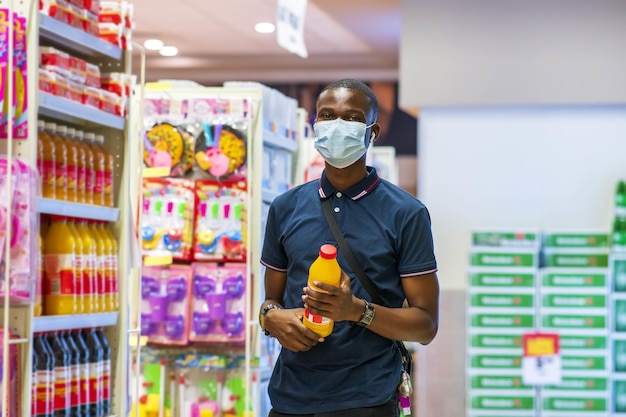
{"x": 290, "y": 26}
{"x": 541, "y": 364}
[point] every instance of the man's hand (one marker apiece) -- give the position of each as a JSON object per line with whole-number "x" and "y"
{"x": 286, "y": 326}
{"x": 336, "y": 303}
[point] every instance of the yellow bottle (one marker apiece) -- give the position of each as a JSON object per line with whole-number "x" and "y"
{"x": 324, "y": 269}
{"x": 82, "y": 285}
{"x": 59, "y": 249}
{"x": 89, "y": 267}
{"x": 72, "y": 164}
{"x": 99, "y": 269}
{"x": 111, "y": 266}
{"x": 60, "y": 158}
{"x": 46, "y": 162}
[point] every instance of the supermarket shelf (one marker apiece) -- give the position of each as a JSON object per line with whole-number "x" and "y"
{"x": 82, "y": 211}
{"x": 277, "y": 141}
{"x": 76, "y": 321}
{"x": 77, "y": 113}
{"x": 75, "y": 40}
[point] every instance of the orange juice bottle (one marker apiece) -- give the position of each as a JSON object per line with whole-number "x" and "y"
{"x": 72, "y": 164}
{"x": 89, "y": 266}
{"x": 59, "y": 249}
{"x": 90, "y": 173}
{"x": 82, "y": 294}
{"x": 101, "y": 254}
{"x": 99, "y": 164}
{"x": 46, "y": 162}
{"x": 81, "y": 177}
{"x": 111, "y": 266}
{"x": 109, "y": 174}
{"x": 324, "y": 269}
{"x": 60, "y": 157}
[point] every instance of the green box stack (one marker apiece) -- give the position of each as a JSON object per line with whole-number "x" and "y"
{"x": 617, "y": 268}
{"x": 502, "y": 306}
{"x": 575, "y": 303}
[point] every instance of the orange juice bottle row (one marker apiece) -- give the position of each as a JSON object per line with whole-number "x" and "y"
{"x": 79, "y": 267}
{"x": 74, "y": 165}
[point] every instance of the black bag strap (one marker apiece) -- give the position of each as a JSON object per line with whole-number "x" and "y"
{"x": 356, "y": 267}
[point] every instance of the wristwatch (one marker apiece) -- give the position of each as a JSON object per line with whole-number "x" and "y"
{"x": 267, "y": 308}
{"x": 368, "y": 315}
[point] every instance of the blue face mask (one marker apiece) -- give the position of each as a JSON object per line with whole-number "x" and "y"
{"x": 340, "y": 143}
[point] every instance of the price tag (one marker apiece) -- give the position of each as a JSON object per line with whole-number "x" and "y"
{"x": 290, "y": 26}
{"x": 541, "y": 364}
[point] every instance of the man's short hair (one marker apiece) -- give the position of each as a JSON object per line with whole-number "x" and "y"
{"x": 359, "y": 86}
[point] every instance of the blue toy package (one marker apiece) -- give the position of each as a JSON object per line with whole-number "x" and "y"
{"x": 218, "y": 302}
{"x": 165, "y": 304}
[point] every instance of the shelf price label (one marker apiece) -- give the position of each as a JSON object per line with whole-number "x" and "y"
{"x": 541, "y": 363}
{"x": 158, "y": 260}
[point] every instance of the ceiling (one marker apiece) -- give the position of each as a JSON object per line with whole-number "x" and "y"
{"x": 217, "y": 42}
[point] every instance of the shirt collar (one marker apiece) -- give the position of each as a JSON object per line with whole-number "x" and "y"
{"x": 355, "y": 192}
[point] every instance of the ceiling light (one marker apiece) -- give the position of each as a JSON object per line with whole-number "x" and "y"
{"x": 168, "y": 51}
{"x": 153, "y": 44}
{"x": 265, "y": 27}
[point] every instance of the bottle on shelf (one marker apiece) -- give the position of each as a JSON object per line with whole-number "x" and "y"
{"x": 89, "y": 166}
{"x": 109, "y": 173}
{"x": 60, "y": 294}
{"x": 75, "y": 399}
{"x": 81, "y": 177}
{"x": 61, "y": 374}
{"x": 84, "y": 280}
{"x": 83, "y": 364}
{"x": 102, "y": 252}
{"x": 96, "y": 357}
{"x": 111, "y": 268}
{"x": 72, "y": 164}
{"x": 106, "y": 371}
{"x": 90, "y": 253}
{"x": 99, "y": 164}
{"x": 324, "y": 269}
{"x": 60, "y": 155}
{"x": 46, "y": 162}
{"x": 43, "y": 399}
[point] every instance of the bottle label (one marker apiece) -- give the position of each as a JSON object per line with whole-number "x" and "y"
{"x": 43, "y": 393}
{"x": 61, "y": 175}
{"x": 83, "y": 286}
{"x": 82, "y": 179}
{"x": 84, "y": 383}
{"x": 95, "y": 382}
{"x": 59, "y": 275}
{"x": 110, "y": 286}
{"x": 108, "y": 182}
{"x": 74, "y": 386}
{"x": 90, "y": 180}
{"x": 106, "y": 380}
{"x": 61, "y": 391}
{"x": 72, "y": 176}
{"x": 48, "y": 173}
{"x": 91, "y": 286}
{"x": 315, "y": 318}
{"x": 99, "y": 182}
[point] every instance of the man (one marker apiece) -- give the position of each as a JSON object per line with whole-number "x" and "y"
{"x": 355, "y": 371}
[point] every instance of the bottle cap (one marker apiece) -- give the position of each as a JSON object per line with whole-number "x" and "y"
{"x": 328, "y": 252}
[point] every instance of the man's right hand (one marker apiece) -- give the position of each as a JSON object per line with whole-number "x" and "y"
{"x": 286, "y": 326}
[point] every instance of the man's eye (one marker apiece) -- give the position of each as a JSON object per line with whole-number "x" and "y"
{"x": 324, "y": 116}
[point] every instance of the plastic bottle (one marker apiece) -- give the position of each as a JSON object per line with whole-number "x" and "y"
{"x": 75, "y": 400}
{"x": 86, "y": 299}
{"x": 99, "y": 163}
{"x": 60, "y": 157}
{"x": 43, "y": 399}
{"x": 38, "y": 303}
{"x": 102, "y": 251}
{"x": 90, "y": 173}
{"x": 83, "y": 365}
{"x": 46, "y": 162}
{"x": 59, "y": 248}
{"x": 72, "y": 164}
{"x": 109, "y": 173}
{"x": 90, "y": 254}
{"x": 106, "y": 371}
{"x": 61, "y": 374}
{"x": 324, "y": 269}
{"x": 81, "y": 178}
{"x": 111, "y": 271}
{"x": 96, "y": 357}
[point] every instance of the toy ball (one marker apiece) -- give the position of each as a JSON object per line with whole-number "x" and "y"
{"x": 206, "y": 237}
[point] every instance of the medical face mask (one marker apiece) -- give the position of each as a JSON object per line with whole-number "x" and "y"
{"x": 340, "y": 143}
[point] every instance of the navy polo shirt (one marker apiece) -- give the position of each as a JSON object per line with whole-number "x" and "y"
{"x": 389, "y": 233}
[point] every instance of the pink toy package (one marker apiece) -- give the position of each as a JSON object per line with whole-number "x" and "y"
{"x": 165, "y": 304}
{"x": 218, "y": 302}
{"x": 18, "y": 100}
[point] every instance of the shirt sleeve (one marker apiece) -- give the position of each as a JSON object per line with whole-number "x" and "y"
{"x": 273, "y": 254}
{"x": 416, "y": 251}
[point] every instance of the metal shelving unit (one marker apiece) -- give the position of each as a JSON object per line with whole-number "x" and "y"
{"x": 20, "y": 318}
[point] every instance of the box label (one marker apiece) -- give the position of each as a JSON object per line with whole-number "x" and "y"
{"x": 505, "y": 239}
{"x": 503, "y": 320}
{"x": 496, "y": 341}
{"x": 574, "y": 403}
{"x": 496, "y": 361}
{"x": 584, "y": 363}
{"x": 576, "y": 280}
{"x": 576, "y": 240}
{"x": 583, "y": 342}
{"x": 570, "y": 383}
{"x": 498, "y": 382}
{"x": 503, "y": 259}
{"x": 575, "y": 260}
{"x": 483, "y": 402}
{"x": 498, "y": 279}
{"x": 574, "y": 300}
{"x": 561, "y": 321}
{"x": 502, "y": 300}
